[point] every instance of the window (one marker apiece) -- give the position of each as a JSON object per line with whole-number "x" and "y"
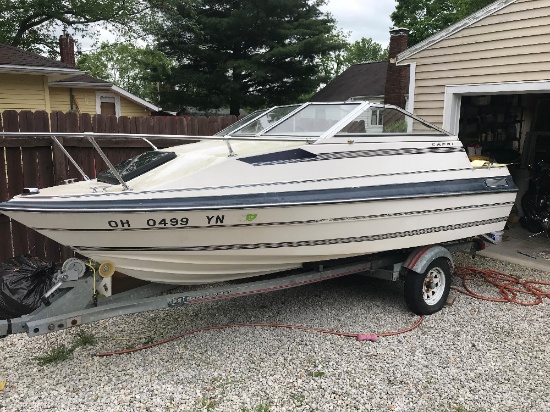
{"x": 107, "y": 104}
{"x": 376, "y": 117}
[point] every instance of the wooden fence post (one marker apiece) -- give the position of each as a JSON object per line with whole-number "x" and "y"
{"x": 46, "y": 178}
{"x": 59, "y": 123}
{"x": 60, "y": 161}
{"x": 181, "y": 125}
{"x": 15, "y": 181}
{"x": 29, "y": 158}
{"x": 6, "y": 244}
{"x": 192, "y": 126}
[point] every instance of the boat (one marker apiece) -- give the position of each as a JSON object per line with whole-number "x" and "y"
{"x": 278, "y": 188}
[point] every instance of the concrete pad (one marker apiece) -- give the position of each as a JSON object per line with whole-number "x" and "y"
{"x": 520, "y": 248}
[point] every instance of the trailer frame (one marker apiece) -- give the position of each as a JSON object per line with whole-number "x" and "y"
{"x": 74, "y": 304}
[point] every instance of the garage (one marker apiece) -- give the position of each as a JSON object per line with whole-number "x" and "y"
{"x": 487, "y": 79}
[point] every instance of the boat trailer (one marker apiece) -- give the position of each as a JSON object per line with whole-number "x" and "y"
{"x": 72, "y": 302}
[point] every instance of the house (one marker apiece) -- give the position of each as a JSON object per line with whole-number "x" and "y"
{"x": 379, "y": 82}
{"x": 32, "y": 82}
{"x": 364, "y": 81}
{"x": 487, "y": 79}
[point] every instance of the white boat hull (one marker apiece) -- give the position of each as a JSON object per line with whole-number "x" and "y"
{"x": 273, "y": 239}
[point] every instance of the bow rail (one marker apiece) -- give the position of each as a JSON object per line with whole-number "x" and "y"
{"x": 91, "y": 137}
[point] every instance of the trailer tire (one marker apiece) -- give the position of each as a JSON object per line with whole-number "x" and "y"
{"x": 426, "y": 293}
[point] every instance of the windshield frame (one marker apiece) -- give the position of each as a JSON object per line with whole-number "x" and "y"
{"x": 332, "y": 131}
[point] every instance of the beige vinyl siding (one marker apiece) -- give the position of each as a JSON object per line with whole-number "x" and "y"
{"x": 129, "y": 108}
{"x": 22, "y": 92}
{"x": 512, "y": 45}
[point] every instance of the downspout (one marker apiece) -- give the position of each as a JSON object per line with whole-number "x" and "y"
{"x": 410, "y": 101}
{"x": 71, "y": 98}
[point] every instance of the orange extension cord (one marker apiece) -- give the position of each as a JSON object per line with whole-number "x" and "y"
{"x": 360, "y": 337}
{"x": 510, "y": 287}
{"x": 507, "y": 285}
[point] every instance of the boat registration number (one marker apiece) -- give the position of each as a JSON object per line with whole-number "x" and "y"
{"x": 165, "y": 222}
{"x": 174, "y": 222}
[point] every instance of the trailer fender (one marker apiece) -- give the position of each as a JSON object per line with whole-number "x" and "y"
{"x": 421, "y": 257}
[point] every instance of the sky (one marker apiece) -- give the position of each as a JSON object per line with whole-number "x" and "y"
{"x": 363, "y": 18}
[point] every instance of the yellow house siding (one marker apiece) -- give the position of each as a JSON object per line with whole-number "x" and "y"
{"x": 22, "y": 92}
{"x": 59, "y": 99}
{"x": 32, "y": 92}
{"x": 512, "y": 45}
{"x": 85, "y": 99}
{"x": 129, "y": 108}
{"x": 46, "y": 93}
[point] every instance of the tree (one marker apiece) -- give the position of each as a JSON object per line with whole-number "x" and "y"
{"x": 364, "y": 51}
{"x": 467, "y": 7}
{"x": 427, "y": 17}
{"x": 333, "y": 63}
{"x": 32, "y": 24}
{"x": 245, "y": 53}
{"x": 127, "y": 66}
{"x": 361, "y": 51}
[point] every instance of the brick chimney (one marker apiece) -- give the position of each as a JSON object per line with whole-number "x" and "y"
{"x": 66, "y": 48}
{"x": 397, "y": 78}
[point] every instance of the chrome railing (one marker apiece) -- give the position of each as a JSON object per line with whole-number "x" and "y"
{"x": 91, "y": 137}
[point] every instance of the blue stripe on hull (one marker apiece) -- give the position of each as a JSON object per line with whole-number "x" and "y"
{"x": 277, "y": 199}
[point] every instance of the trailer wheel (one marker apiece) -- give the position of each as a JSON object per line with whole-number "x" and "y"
{"x": 426, "y": 293}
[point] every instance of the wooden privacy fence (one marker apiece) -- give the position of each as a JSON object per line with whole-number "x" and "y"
{"x": 37, "y": 162}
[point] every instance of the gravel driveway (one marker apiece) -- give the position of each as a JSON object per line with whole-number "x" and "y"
{"x": 471, "y": 356}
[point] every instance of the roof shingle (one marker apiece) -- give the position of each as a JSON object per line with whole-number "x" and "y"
{"x": 85, "y": 78}
{"x": 365, "y": 79}
{"x": 14, "y": 56}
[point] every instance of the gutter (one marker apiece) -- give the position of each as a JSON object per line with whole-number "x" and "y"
{"x": 82, "y": 84}
{"x": 40, "y": 70}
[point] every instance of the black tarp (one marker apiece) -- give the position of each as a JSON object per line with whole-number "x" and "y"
{"x": 23, "y": 282}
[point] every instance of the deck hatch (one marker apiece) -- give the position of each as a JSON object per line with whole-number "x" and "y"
{"x": 286, "y": 155}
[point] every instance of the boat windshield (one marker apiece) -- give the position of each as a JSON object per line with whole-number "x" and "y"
{"x": 337, "y": 119}
{"x": 241, "y": 122}
{"x": 269, "y": 118}
{"x": 313, "y": 119}
{"x": 377, "y": 119}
